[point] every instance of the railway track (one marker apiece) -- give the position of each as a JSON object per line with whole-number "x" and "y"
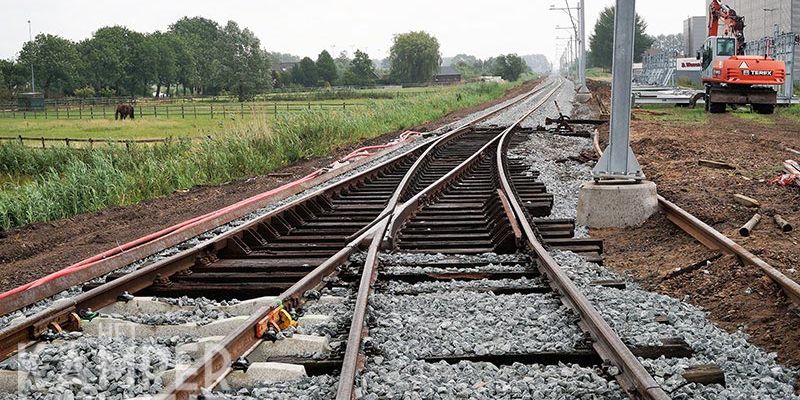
{"x": 287, "y": 252}
{"x": 438, "y": 260}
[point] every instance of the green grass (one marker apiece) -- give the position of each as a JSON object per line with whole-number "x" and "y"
{"x": 792, "y": 112}
{"x": 65, "y": 182}
{"x": 748, "y": 115}
{"x": 598, "y": 73}
{"x": 661, "y": 113}
{"x": 140, "y": 128}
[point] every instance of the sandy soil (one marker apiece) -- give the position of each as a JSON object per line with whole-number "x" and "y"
{"x": 736, "y": 296}
{"x": 37, "y": 250}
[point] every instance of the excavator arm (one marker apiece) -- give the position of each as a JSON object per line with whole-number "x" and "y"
{"x": 734, "y": 24}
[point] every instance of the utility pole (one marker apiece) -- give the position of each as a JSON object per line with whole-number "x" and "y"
{"x": 618, "y": 161}
{"x": 579, "y": 29}
{"x": 30, "y": 38}
{"x": 618, "y": 195}
{"x": 582, "y": 51}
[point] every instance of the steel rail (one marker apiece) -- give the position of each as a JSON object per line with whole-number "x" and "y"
{"x": 715, "y": 240}
{"x": 216, "y": 363}
{"x": 633, "y": 377}
{"x": 353, "y": 361}
{"x": 123, "y": 259}
{"x": 62, "y": 314}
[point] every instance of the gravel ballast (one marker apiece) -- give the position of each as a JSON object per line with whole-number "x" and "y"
{"x": 404, "y": 378}
{"x": 462, "y": 322}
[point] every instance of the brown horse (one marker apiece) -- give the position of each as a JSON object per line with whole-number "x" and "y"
{"x": 124, "y": 111}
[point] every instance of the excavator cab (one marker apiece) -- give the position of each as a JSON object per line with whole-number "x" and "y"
{"x": 716, "y": 48}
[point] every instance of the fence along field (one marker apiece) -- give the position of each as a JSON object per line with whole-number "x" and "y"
{"x": 58, "y": 182}
{"x": 191, "y": 110}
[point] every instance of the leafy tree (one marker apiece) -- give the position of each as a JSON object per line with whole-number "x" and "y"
{"x": 510, "y": 66}
{"x": 276, "y": 57}
{"x": 202, "y": 37}
{"x": 84, "y": 92}
{"x": 13, "y": 78}
{"x": 54, "y": 59}
{"x": 602, "y": 40}
{"x": 414, "y": 57}
{"x": 243, "y": 65}
{"x": 166, "y": 64}
{"x": 361, "y": 70}
{"x": 305, "y": 73}
{"x": 326, "y": 68}
{"x": 118, "y": 58}
{"x": 342, "y": 63}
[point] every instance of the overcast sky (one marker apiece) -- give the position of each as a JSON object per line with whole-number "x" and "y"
{"x": 306, "y": 27}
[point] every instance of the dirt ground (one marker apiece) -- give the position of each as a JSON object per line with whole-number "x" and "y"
{"x": 37, "y": 250}
{"x": 736, "y": 296}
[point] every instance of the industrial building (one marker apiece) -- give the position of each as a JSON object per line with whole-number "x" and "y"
{"x": 761, "y": 17}
{"x": 695, "y": 31}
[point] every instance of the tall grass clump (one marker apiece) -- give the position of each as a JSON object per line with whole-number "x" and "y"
{"x": 64, "y": 182}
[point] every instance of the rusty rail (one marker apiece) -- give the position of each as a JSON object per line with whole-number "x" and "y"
{"x": 216, "y": 363}
{"x": 715, "y": 240}
{"x": 353, "y": 357}
{"x": 633, "y": 377}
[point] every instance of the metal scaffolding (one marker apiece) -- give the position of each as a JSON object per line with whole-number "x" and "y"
{"x": 658, "y": 69}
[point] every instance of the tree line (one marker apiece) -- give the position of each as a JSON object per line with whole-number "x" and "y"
{"x": 198, "y": 56}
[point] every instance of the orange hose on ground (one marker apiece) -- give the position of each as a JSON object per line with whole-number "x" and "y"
{"x": 86, "y": 263}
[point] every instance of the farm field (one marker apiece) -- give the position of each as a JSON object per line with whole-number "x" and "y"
{"x": 58, "y": 182}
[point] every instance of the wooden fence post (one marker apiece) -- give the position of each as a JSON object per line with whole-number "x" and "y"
{"x": 67, "y": 112}
{"x": 241, "y": 110}
{"x": 167, "y": 111}
{"x": 182, "y": 112}
{"x": 66, "y": 140}
{"x": 276, "y": 109}
{"x": 212, "y": 111}
{"x": 104, "y": 111}
{"x": 42, "y": 141}
{"x": 91, "y": 111}
{"x": 223, "y": 112}
{"x": 155, "y": 113}
{"x": 20, "y": 139}
{"x": 91, "y": 143}
{"x": 56, "y": 112}
{"x": 80, "y": 111}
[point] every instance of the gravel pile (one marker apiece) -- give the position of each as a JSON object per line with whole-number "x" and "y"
{"x": 547, "y": 153}
{"x": 199, "y": 315}
{"x": 546, "y": 110}
{"x": 749, "y": 371}
{"x": 410, "y": 270}
{"x": 78, "y": 366}
{"x": 309, "y": 388}
{"x": 403, "y": 378}
{"x": 340, "y": 312}
{"x": 460, "y": 322}
{"x": 394, "y": 287}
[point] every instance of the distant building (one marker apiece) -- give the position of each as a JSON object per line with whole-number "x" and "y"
{"x": 283, "y": 66}
{"x": 695, "y": 32}
{"x": 762, "y": 16}
{"x": 446, "y": 75}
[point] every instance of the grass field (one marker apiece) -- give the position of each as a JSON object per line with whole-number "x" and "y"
{"x": 57, "y": 182}
{"x": 698, "y": 115}
{"x": 187, "y": 119}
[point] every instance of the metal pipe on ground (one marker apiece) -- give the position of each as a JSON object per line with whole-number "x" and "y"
{"x": 748, "y": 227}
{"x": 783, "y": 224}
